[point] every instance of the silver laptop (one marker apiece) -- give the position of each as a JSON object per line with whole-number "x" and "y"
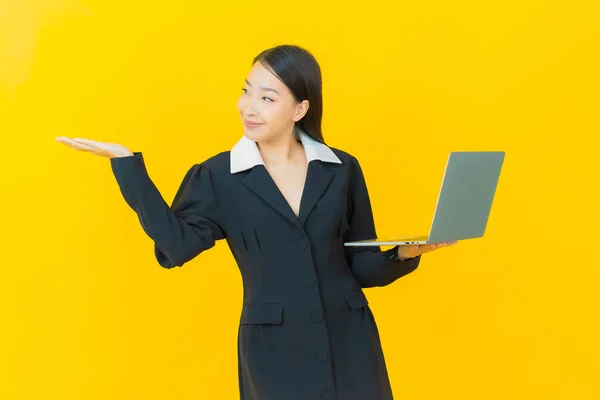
{"x": 463, "y": 204}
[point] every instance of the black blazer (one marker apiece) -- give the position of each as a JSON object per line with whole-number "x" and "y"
{"x": 306, "y": 330}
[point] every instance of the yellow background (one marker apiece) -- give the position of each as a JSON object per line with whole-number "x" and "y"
{"x": 86, "y": 311}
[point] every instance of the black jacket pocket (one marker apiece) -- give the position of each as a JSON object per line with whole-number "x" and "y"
{"x": 356, "y": 298}
{"x": 258, "y": 313}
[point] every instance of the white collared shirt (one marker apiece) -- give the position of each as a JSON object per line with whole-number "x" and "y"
{"x": 245, "y": 155}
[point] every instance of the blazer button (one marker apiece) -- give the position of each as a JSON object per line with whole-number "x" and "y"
{"x": 323, "y": 356}
{"x": 316, "y": 316}
{"x": 302, "y": 243}
{"x": 328, "y": 395}
{"x": 310, "y": 280}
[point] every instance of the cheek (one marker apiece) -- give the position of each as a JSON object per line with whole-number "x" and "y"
{"x": 275, "y": 114}
{"x": 241, "y": 103}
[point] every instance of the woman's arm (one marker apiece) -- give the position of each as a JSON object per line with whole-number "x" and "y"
{"x": 370, "y": 265}
{"x": 183, "y": 230}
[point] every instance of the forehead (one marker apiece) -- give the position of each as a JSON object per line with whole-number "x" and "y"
{"x": 261, "y": 76}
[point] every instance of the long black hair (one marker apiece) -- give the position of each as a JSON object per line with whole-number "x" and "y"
{"x": 298, "y": 69}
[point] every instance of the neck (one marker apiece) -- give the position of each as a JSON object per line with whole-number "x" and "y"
{"x": 282, "y": 150}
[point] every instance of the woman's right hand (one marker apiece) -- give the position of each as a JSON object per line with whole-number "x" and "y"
{"x": 110, "y": 150}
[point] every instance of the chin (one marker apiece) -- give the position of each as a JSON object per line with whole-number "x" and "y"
{"x": 255, "y": 134}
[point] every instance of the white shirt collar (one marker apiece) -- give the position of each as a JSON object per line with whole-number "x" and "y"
{"x": 245, "y": 155}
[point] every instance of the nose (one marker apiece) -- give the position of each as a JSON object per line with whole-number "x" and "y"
{"x": 248, "y": 107}
{"x": 249, "y": 110}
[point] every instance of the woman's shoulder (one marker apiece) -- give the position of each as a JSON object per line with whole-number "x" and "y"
{"x": 216, "y": 163}
{"x": 344, "y": 156}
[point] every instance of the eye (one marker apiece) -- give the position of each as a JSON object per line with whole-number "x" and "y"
{"x": 244, "y": 90}
{"x": 268, "y": 99}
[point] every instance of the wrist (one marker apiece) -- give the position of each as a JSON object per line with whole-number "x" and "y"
{"x": 399, "y": 255}
{"x": 396, "y": 255}
{"x": 119, "y": 155}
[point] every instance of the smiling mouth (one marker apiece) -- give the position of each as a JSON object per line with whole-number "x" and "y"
{"x": 252, "y": 124}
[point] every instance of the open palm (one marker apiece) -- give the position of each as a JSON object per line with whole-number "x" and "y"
{"x": 103, "y": 149}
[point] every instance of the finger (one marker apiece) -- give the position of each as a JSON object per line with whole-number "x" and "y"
{"x": 91, "y": 143}
{"x": 86, "y": 141}
{"x": 446, "y": 244}
{"x": 65, "y": 140}
{"x": 421, "y": 249}
{"x": 99, "y": 148}
{"x": 439, "y": 246}
{"x": 431, "y": 247}
{"x": 75, "y": 145}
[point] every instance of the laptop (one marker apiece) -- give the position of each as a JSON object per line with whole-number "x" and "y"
{"x": 464, "y": 202}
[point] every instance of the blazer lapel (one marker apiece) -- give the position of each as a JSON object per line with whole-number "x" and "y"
{"x": 261, "y": 183}
{"x": 317, "y": 180}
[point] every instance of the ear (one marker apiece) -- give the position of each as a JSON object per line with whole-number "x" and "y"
{"x": 301, "y": 110}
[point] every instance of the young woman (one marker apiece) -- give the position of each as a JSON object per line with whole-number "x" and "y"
{"x": 285, "y": 202}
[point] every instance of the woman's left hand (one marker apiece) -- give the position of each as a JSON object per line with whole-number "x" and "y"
{"x": 414, "y": 250}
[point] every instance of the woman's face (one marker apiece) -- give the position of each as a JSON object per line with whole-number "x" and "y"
{"x": 267, "y": 107}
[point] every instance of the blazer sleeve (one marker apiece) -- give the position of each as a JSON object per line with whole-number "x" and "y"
{"x": 370, "y": 265}
{"x": 181, "y": 231}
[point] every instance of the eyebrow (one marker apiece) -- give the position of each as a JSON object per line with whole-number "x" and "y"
{"x": 267, "y": 89}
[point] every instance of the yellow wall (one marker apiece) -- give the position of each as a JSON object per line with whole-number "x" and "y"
{"x": 86, "y": 311}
